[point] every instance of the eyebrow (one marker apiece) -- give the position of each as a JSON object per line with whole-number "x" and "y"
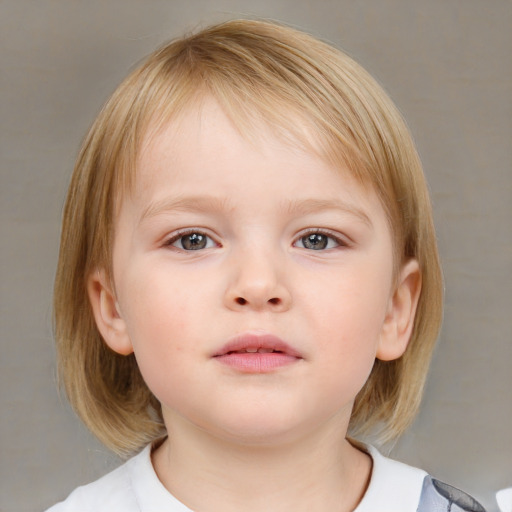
{"x": 209, "y": 204}
{"x": 307, "y": 206}
{"x": 203, "y": 204}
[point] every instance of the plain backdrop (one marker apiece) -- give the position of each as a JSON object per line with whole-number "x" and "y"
{"x": 446, "y": 63}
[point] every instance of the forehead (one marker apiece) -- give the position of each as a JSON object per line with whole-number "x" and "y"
{"x": 203, "y": 129}
{"x": 202, "y": 137}
{"x": 204, "y": 160}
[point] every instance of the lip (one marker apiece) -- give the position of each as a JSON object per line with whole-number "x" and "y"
{"x": 274, "y": 353}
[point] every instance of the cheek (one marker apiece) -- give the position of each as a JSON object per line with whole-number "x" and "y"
{"x": 152, "y": 302}
{"x": 351, "y": 308}
{"x": 349, "y": 319}
{"x": 157, "y": 322}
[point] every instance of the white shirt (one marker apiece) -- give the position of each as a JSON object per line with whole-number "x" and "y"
{"x": 135, "y": 487}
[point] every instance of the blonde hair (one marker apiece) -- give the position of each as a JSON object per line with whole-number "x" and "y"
{"x": 259, "y": 72}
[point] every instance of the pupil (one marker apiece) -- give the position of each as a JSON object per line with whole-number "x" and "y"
{"x": 315, "y": 241}
{"x": 194, "y": 241}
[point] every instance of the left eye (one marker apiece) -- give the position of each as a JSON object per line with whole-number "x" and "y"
{"x": 193, "y": 241}
{"x": 317, "y": 242}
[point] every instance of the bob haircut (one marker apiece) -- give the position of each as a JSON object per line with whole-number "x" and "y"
{"x": 309, "y": 93}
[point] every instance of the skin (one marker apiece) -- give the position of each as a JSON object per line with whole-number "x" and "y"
{"x": 339, "y": 307}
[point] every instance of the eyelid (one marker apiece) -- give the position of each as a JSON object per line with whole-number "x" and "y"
{"x": 176, "y": 235}
{"x": 340, "y": 239}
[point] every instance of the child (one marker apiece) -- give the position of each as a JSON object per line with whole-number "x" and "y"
{"x": 248, "y": 275}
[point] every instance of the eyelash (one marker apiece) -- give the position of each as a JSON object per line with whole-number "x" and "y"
{"x": 340, "y": 242}
{"x": 181, "y": 234}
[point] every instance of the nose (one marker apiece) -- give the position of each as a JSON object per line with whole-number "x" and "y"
{"x": 257, "y": 283}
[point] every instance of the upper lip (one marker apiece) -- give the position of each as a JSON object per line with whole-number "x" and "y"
{"x": 256, "y": 340}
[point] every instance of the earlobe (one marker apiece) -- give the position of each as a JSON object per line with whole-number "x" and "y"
{"x": 399, "y": 321}
{"x": 106, "y": 313}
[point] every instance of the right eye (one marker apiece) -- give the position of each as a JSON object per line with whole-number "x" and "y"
{"x": 191, "y": 241}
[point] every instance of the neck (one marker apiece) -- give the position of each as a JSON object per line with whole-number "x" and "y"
{"x": 321, "y": 471}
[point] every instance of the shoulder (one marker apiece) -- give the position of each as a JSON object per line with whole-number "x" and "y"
{"x": 112, "y": 492}
{"x": 437, "y": 495}
{"x": 393, "y": 487}
{"x": 133, "y": 487}
{"x": 397, "y": 487}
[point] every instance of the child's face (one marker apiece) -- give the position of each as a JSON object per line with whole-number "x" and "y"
{"x": 223, "y": 240}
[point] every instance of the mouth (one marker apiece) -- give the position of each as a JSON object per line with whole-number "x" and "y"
{"x": 255, "y": 352}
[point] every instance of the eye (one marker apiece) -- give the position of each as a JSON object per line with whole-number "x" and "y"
{"x": 191, "y": 241}
{"x": 318, "y": 241}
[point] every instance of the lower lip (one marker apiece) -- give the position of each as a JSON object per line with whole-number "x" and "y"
{"x": 256, "y": 362}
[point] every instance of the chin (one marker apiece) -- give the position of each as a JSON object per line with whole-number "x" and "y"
{"x": 259, "y": 436}
{"x": 259, "y": 430}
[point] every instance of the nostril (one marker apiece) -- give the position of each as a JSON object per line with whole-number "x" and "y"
{"x": 242, "y": 302}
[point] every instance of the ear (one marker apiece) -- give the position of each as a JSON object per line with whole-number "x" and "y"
{"x": 106, "y": 313}
{"x": 399, "y": 321}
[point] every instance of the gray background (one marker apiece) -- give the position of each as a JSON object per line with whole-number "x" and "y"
{"x": 447, "y": 65}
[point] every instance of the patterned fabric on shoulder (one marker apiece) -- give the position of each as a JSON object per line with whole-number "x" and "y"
{"x": 437, "y": 496}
